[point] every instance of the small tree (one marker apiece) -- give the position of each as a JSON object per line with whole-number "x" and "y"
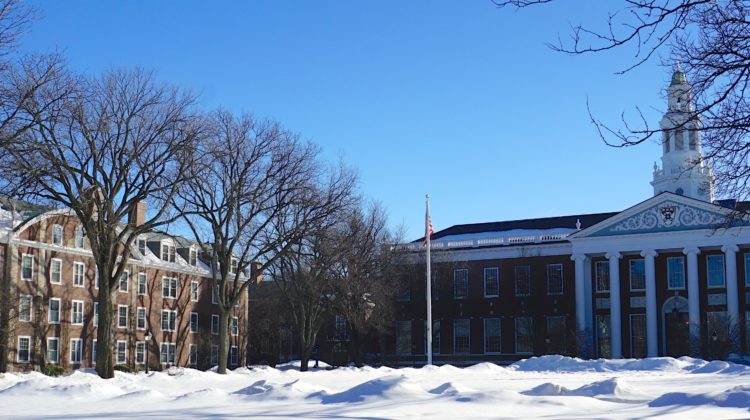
{"x": 255, "y": 191}
{"x": 114, "y": 142}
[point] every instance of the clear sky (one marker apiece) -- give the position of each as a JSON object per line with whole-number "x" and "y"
{"x": 455, "y": 98}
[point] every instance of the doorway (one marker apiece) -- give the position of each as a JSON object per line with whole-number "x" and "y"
{"x": 675, "y": 327}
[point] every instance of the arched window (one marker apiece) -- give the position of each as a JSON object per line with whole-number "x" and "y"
{"x": 679, "y": 140}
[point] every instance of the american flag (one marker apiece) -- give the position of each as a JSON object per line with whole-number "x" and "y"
{"x": 428, "y": 231}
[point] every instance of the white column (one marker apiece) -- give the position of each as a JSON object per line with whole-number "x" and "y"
{"x": 580, "y": 259}
{"x": 614, "y": 304}
{"x": 694, "y": 306}
{"x": 733, "y": 305}
{"x": 652, "y": 340}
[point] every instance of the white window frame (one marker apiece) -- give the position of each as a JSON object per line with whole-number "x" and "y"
{"x": 30, "y": 298}
{"x": 217, "y": 323}
{"x": 52, "y": 272}
{"x": 127, "y": 315}
{"x": 142, "y": 246}
{"x": 630, "y": 274}
{"x": 193, "y": 314}
{"x": 194, "y": 291}
{"x": 193, "y": 257}
{"x": 23, "y": 259}
{"x": 234, "y": 326}
{"x": 117, "y": 352}
{"x": 516, "y": 270}
{"x": 79, "y": 353}
{"x": 456, "y": 276}
{"x": 73, "y": 304}
{"x": 234, "y": 355}
{"x": 79, "y": 237}
{"x": 93, "y": 351}
{"x": 171, "y": 252}
{"x": 126, "y": 274}
{"x": 56, "y": 360}
{"x": 684, "y": 274}
{"x": 56, "y": 228}
{"x": 77, "y": 265}
{"x": 550, "y": 267}
{"x": 596, "y": 277}
{"x": 140, "y": 352}
{"x": 723, "y": 270}
{"x": 171, "y": 287}
{"x": 49, "y": 310}
{"x": 192, "y": 355}
{"x": 96, "y": 314}
{"x": 18, "y": 349}
{"x": 96, "y": 277}
{"x": 214, "y": 294}
{"x": 497, "y": 281}
{"x": 140, "y": 314}
{"x": 468, "y": 322}
{"x": 171, "y": 351}
{"x": 214, "y": 355}
{"x": 142, "y": 283}
{"x": 171, "y": 320}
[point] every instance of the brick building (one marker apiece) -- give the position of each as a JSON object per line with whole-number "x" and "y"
{"x": 50, "y": 284}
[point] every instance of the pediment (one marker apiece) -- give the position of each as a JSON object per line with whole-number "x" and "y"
{"x": 665, "y": 213}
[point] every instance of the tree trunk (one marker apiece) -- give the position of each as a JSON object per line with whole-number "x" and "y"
{"x": 104, "y": 332}
{"x": 304, "y": 361}
{"x": 223, "y": 341}
{"x": 5, "y": 307}
{"x": 356, "y": 348}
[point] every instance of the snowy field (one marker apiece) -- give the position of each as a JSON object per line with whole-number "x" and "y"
{"x": 545, "y": 387}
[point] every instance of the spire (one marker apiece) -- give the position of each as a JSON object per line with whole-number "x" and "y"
{"x": 678, "y": 77}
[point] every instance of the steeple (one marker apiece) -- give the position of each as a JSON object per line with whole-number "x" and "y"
{"x": 683, "y": 170}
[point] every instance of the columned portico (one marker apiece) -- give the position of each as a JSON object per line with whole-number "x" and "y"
{"x": 652, "y": 347}
{"x": 730, "y": 256}
{"x": 694, "y": 315}
{"x": 614, "y": 303}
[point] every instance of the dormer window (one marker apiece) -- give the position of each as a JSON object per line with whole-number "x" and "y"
{"x": 142, "y": 246}
{"x": 234, "y": 265}
{"x": 57, "y": 235}
{"x": 167, "y": 252}
{"x": 193, "y": 257}
{"x": 79, "y": 235}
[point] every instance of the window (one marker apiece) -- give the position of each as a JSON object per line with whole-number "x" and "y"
{"x": 55, "y": 271}
{"x": 121, "y": 352}
{"x": 24, "y": 308}
{"x": 96, "y": 314}
{"x": 140, "y": 318}
{"x": 556, "y": 340}
{"x": 78, "y": 274}
{"x": 234, "y": 356}
{"x": 215, "y": 324}
{"x": 637, "y": 275}
{"x": 460, "y": 283}
{"x": 53, "y": 315}
{"x": 492, "y": 335}
{"x": 140, "y": 352}
{"x": 491, "y": 282}
{"x": 461, "y": 336}
{"x": 23, "y": 354}
{"x": 234, "y": 326}
{"x": 79, "y": 235}
{"x": 166, "y": 353}
{"x": 193, "y": 322}
{"x": 142, "y": 246}
{"x": 233, "y": 268}
{"x": 715, "y": 267}
{"x": 435, "y": 336}
{"x": 403, "y": 337}
{"x": 168, "y": 320}
{"x": 169, "y": 287}
{"x": 124, "y": 281}
{"x": 122, "y": 316}
{"x": 142, "y": 283}
{"x": 523, "y": 280}
{"x": 602, "y": 336}
{"x": 554, "y": 279}
{"x": 194, "y": 291}
{"x": 76, "y": 312}
{"x": 27, "y": 267}
{"x": 666, "y": 142}
{"x": 53, "y": 350}
{"x": 215, "y": 294}
{"x": 57, "y": 235}
{"x": 76, "y": 350}
{"x": 524, "y": 335}
{"x": 167, "y": 252}
{"x": 193, "y": 257}
{"x": 747, "y": 269}
{"x": 602, "y": 276}
{"x": 93, "y": 352}
{"x": 638, "y": 335}
{"x": 96, "y": 278}
{"x": 192, "y": 355}
{"x": 340, "y": 328}
{"x": 676, "y": 272}
{"x": 214, "y": 355}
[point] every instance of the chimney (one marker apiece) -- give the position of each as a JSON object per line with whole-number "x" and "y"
{"x": 138, "y": 215}
{"x": 255, "y": 274}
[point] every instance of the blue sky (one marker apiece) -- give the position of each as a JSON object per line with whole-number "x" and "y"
{"x": 455, "y": 98}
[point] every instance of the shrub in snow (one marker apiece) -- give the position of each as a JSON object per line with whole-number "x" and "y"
{"x": 53, "y": 370}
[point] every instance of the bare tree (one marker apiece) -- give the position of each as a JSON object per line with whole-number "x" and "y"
{"x": 256, "y": 190}
{"x": 113, "y": 143}
{"x": 711, "y": 40}
{"x": 365, "y": 285}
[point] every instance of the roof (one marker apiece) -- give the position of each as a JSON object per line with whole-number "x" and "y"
{"x": 525, "y": 224}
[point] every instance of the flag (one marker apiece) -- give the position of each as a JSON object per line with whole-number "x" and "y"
{"x": 428, "y": 231}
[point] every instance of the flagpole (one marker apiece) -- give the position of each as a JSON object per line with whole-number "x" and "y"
{"x": 429, "y": 280}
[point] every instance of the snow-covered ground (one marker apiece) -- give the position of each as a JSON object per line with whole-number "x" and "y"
{"x": 549, "y": 387}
